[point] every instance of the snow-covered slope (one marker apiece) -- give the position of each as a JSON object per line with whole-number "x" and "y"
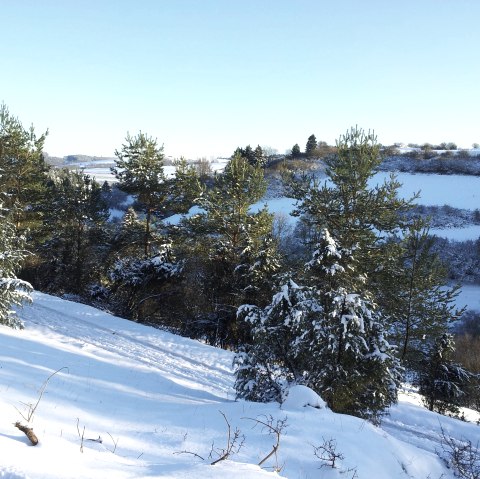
{"x": 159, "y": 403}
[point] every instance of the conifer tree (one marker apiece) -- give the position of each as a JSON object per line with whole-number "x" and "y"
{"x": 74, "y": 220}
{"x": 311, "y": 146}
{"x": 235, "y": 242}
{"x": 13, "y": 291}
{"x": 443, "y": 382}
{"x": 259, "y": 157}
{"x": 364, "y": 217}
{"x": 419, "y": 305}
{"x": 360, "y": 373}
{"x": 140, "y": 171}
{"x": 139, "y": 168}
{"x": 22, "y": 169}
{"x": 296, "y": 151}
{"x": 322, "y": 336}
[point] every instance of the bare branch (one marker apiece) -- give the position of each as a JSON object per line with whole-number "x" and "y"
{"x": 234, "y": 443}
{"x": 276, "y": 430}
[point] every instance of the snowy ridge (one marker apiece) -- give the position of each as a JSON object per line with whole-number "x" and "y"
{"x": 156, "y": 401}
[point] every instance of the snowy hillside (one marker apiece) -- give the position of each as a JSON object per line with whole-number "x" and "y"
{"x": 159, "y": 404}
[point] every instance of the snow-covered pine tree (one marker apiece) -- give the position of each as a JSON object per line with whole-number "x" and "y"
{"x": 136, "y": 284}
{"x": 275, "y": 358}
{"x": 443, "y": 382}
{"x": 323, "y": 336}
{"x": 362, "y": 216}
{"x": 359, "y": 373}
{"x": 13, "y": 291}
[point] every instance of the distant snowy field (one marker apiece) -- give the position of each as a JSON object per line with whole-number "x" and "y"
{"x": 155, "y": 400}
{"x": 103, "y": 173}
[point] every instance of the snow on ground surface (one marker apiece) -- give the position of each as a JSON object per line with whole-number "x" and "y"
{"x": 156, "y": 401}
{"x": 469, "y": 296}
{"x": 458, "y": 191}
{"x": 102, "y": 173}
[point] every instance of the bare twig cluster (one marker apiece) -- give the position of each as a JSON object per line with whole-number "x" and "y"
{"x": 235, "y": 442}
{"x": 462, "y": 455}
{"x": 274, "y": 428}
{"x": 327, "y": 453}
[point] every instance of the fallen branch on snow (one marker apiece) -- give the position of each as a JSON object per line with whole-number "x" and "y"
{"x": 28, "y": 431}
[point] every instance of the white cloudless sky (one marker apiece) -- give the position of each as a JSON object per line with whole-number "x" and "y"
{"x": 206, "y": 76}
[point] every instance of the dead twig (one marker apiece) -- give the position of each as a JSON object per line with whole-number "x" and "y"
{"x": 234, "y": 443}
{"x": 81, "y": 436}
{"x": 190, "y": 452}
{"x": 31, "y": 408}
{"x": 276, "y": 430}
{"x": 114, "y": 443}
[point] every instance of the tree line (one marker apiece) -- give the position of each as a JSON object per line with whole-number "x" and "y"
{"x": 355, "y": 304}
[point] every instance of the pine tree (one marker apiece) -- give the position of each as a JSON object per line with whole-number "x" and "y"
{"x": 259, "y": 157}
{"x": 233, "y": 240}
{"x": 140, "y": 171}
{"x": 322, "y": 336}
{"x": 296, "y": 151}
{"x": 442, "y": 382}
{"x": 22, "y": 169}
{"x": 13, "y": 291}
{"x": 360, "y": 373}
{"x": 249, "y": 154}
{"x": 419, "y": 304}
{"x": 74, "y": 220}
{"x": 275, "y": 357}
{"x": 139, "y": 168}
{"x": 311, "y": 146}
{"x": 365, "y": 218}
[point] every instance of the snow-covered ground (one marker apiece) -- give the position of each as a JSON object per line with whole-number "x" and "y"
{"x": 159, "y": 404}
{"x": 103, "y": 173}
{"x": 469, "y": 296}
{"x": 458, "y": 191}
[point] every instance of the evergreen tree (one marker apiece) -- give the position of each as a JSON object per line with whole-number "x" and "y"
{"x": 365, "y": 218}
{"x": 140, "y": 171}
{"x": 22, "y": 169}
{"x": 259, "y": 157}
{"x": 322, "y": 336}
{"x": 137, "y": 285}
{"x": 296, "y": 151}
{"x": 13, "y": 291}
{"x": 249, "y": 154}
{"x": 274, "y": 358}
{"x": 419, "y": 305}
{"x": 139, "y": 168}
{"x": 360, "y": 373}
{"x": 311, "y": 146}
{"x": 235, "y": 244}
{"x": 442, "y": 382}
{"x": 74, "y": 220}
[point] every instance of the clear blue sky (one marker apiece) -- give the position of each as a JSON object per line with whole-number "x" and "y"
{"x": 205, "y": 76}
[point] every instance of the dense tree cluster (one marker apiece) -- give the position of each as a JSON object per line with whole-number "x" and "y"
{"x": 361, "y": 298}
